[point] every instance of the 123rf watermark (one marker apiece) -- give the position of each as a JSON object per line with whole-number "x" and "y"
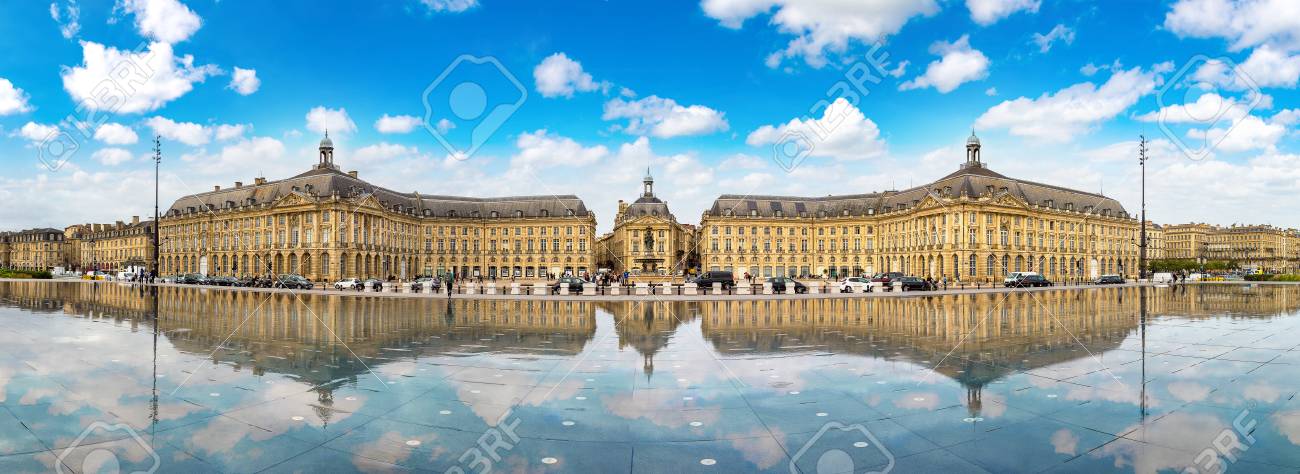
{"x": 839, "y": 448}
{"x": 1226, "y": 447}
{"x": 1199, "y": 98}
{"x": 469, "y": 101}
{"x": 104, "y": 447}
{"x": 798, "y": 142}
{"x": 124, "y": 78}
{"x": 490, "y": 447}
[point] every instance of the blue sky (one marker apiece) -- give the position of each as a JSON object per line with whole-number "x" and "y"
{"x": 701, "y": 92}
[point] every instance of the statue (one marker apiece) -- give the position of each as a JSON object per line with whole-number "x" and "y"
{"x": 649, "y": 241}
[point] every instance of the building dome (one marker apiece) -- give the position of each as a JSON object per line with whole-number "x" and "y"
{"x": 326, "y": 142}
{"x": 973, "y": 140}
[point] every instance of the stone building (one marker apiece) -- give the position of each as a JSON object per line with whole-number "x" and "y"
{"x": 120, "y": 246}
{"x": 1253, "y": 247}
{"x": 647, "y": 239}
{"x": 1155, "y": 241}
{"x": 972, "y": 225}
{"x": 326, "y": 224}
{"x": 33, "y": 249}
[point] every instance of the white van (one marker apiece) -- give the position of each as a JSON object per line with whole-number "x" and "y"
{"x": 1163, "y": 277}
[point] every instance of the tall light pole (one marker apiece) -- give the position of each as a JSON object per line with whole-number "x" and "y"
{"x": 1142, "y": 237}
{"x": 157, "y": 162}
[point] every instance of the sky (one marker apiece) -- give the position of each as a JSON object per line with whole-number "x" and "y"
{"x": 751, "y": 97}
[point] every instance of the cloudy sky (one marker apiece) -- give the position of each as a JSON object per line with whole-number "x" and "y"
{"x": 802, "y": 97}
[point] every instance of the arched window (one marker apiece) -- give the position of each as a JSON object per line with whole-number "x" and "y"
{"x": 988, "y": 266}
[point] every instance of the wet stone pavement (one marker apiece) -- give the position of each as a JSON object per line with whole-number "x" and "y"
{"x": 108, "y": 377}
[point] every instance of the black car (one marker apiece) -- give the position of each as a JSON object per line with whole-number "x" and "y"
{"x": 372, "y": 283}
{"x": 779, "y": 284}
{"x": 224, "y": 281}
{"x": 707, "y": 280}
{"x": 192, "y": 279}
{"x": 574, "y": 284}
{"x": 1028, "y": 281}
{"x": 887, "y": 278}
{"x": 294, "y": 282}
{"x": 1109, "y": 280}
{"x": 914, "y": 284}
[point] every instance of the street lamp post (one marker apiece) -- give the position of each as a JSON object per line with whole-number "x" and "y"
{"x": 157, "y": 161}
{"x": 1142, "y": 237}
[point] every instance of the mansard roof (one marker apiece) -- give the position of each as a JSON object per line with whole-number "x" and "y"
{"x": 326, "y": 182}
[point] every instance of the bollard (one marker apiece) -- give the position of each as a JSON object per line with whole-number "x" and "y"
{"x": 614, "y": 289}
{"x": 514, "y": 288}
{"x": 690, "y": 289}
{"x": 744, "y": 290}
{"x": 642, "y": 288}
{"x": 589, "y": 289}
{"x": 667, "y": 287}
{"x": 767, "y": 288}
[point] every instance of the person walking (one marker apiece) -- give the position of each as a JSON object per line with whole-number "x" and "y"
{"x": 451, "y": 277}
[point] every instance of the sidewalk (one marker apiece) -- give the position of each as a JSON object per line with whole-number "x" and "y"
{"x": 389, "y": 293}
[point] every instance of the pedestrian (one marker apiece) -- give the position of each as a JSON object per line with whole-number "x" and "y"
{"x": 450, "y": 278}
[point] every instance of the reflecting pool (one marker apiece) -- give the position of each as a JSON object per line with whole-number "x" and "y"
{"x": 103, "y": 376}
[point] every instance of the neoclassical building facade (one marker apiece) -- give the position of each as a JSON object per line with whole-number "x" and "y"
{"x": 647, "y": 239}
{"x": 326, "y": 224}
{"x": 119, "y": 246}
{"x": 973, "y": 225}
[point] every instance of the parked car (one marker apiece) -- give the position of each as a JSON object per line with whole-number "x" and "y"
{"x": 294, "y": 282}
{"x": 192, "y": 279}
{"x": 1109, "y": 280}
{"x": 1014, "y": 277}
{"x": 372, "y": 283}
{"x": 779, "y": 284}
{"x": 887, "y": 277}
{"x": 223, "y": 281}
{"x": 347, "y": 284}
{"x": 574, "y": 285}
{"x": 911, "y": 283}
{"x": 1031, "y": 280}
{"x": 855, "y": 285}
{"x": 419, "y": 284}
{"x": 727, "y": 279}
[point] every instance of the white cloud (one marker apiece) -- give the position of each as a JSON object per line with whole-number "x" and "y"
{"x": 397, "y": 123}
{"x": 988, "y": 12}
{"x": 820, "y": 26}
{"x": 445, "y": 125}
{"x": 1059, "y": 32}
{"x": 37, "y": 132}
{"x": 742, "y": 161}
{"x": 1207, "y": 108}
{"x": 230, "y": 132}
{"x": 992, "y": 91}
{"x": 958, "y": 64}
{"x": 842, "y": 133}
{"x": 168, "y": 21}
{"x": 557, "y": 75}
{"x": 1267, "y": 66}
{"x": 321, "y": 119}
{"x": 385, "y": 152}
{"x": 131, "y": 82}
{"x": 189, "y": 133}
{"x": 12, "y": 99}
{"x": 541, "y": 149}
{"x": 1090, "y": 69}
{"x": 449, "y": 6}
{"x": 68, "y": 18}
{"x": 111, "y": 156}
{"x": 1061, "y": 115}
{"x": 664, "y": 118}
{"x": 1243, "y": 23}
{"x": 116, "y": 134}
{"x": 264, "y": 154}
{"x": 244, "y": 81}
{"x": 1241, "y": 134}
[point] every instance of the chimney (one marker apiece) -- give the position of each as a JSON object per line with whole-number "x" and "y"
{"x": 119, "y": 224}
{"x": 259, "y": 180}
{"x": 216, "y": 188}
{"x": 352, "y": 173}
{"x": 135, "y": 220}
{"x": 239, "y": 184}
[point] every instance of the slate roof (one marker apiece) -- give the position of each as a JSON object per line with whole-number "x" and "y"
{"x": 327, "y": 181}
{"x": 970, "y": 180}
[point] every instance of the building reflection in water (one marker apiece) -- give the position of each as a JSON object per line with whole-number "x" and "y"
{"x": 318, "y": 340}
